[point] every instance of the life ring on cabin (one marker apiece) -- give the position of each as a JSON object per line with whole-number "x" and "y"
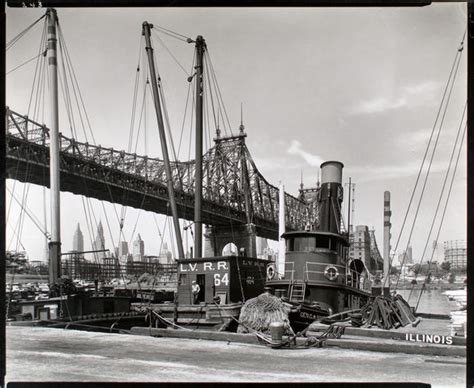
{"x": 270, "y": 271}
{"x": 331, "y": 272}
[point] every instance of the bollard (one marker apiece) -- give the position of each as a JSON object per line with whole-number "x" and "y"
{"x": 277, "y": 329}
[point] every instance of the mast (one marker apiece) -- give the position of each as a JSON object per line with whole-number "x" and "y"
{"x": 55, "y": 243}
{"x": 164, "y": 148}
{"x": 349, "y": 210}
{"x": 200, "y": 47}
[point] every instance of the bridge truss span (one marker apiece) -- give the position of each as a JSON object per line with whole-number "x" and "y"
{"x": 234, "y": 191}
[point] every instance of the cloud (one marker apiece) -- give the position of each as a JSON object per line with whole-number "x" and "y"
{"x": 370, "y": 173}
{"x": 422, "y": 88}
{"x": 412, "y": 95}
{"x": 414, "y": 140}
{"x": 378, "y": 105}
{"x": 296, "y": 149}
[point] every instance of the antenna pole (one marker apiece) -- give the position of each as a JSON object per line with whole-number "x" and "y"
{"x": 164, "y": 148}
{"x": 55, "y": 243}
{"x": 200, "y": 48}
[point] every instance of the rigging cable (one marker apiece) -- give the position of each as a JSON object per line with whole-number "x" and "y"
{"x": 75, "y": 85}
{"x": 38, "y": 71}
{"x": 190, "y": 87}
{"x": 123, "y": 211}
{"x": 219, "y": 94}
{"x": 446, "y": 204}
{"x": 173, "y": 34}
{"x": 170, "y": 53}
{"x": 424, "y": 158}
{"x": 30, "y": 214}
{"x": 430, "y": 164}
{"x": 442, "y": 192}
{"x": 26, "y": 62}
{"x": 441, "y": 195}
{"x": 14, "y": 40}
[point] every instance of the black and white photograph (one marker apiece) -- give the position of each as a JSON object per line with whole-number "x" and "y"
{"x": 236, "y": 194}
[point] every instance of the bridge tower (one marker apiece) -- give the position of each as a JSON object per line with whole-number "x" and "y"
{"x": 243, "y": 236}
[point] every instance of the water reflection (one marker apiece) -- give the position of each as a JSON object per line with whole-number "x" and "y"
{"x": 432, "y": 301}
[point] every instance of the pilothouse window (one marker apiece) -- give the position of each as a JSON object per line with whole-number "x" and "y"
{"x": 309, "y": 244}
{"x": 301, "y": 244}
{"x": 324, "y": 242}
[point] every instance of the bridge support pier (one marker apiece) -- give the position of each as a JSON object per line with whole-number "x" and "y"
{"x": 217, "y": 237}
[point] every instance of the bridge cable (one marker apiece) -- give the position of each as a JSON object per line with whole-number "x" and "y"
{"x": 424, "y": 159}
{"x": 441, "y": 193}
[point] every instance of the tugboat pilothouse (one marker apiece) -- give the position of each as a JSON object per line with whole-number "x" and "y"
{"x": 317, "y": 277}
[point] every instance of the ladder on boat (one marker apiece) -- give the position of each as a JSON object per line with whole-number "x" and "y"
{"x": 297, "y": 292}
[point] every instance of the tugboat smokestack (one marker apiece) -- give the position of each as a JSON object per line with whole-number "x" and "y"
{"x": 330, "y": 196}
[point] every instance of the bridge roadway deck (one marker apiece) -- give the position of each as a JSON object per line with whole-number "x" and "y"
{"x": 107, "y": 184}
{"x": 44, "y": 354}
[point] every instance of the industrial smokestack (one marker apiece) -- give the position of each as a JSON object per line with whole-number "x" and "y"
{"x": 281, "y": 230}
{"x": 386, "y": 235}
{"x": 330, "y": 196}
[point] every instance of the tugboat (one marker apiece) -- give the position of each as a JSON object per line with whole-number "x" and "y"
{"x": 316, "y": 277}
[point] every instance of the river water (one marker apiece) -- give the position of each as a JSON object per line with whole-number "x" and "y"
{"x": 432, "y": 301}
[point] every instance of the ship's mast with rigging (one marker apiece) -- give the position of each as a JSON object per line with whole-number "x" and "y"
{"x": 200, "y": 48}
{"x": 164, "y": 148}
{"x": 55, "y": 243}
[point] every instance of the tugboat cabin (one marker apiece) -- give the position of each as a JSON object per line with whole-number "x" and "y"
{"x": 316, "y": 266}
{"x": 231, "y": 278}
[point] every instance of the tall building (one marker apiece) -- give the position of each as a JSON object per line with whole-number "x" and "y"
{"x": 99, "y": 242}
{"x": 406, "y": 257}
{"x": 138, "y": 249}
{"x": 360, "y": 244}
{"x": 455, "y": 253}
{"x": 123, "y": 249}
{"x": 262, "y": 245}
{"x": 78, "y": 240}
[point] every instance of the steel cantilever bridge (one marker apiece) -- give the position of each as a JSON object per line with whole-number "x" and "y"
{"x": 234, "y": 191}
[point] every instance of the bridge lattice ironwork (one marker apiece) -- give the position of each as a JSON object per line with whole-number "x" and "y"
{"x": 234, "y": 191}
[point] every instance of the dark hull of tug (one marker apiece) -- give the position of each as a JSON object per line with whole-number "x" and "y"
{"x": 321, "y": 300}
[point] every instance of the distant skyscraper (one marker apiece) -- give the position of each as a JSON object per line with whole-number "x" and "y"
{"x": 99, "y": 242}
{"x": 123, "y": 248}
{"x": 406, "y": 257}
{"x": 138, "y": 249}
{"x": 122, "y": 252}
{"x": 165, "y": 257}
{"x": 78, "y": 240}
{"x": 262, "y": 245}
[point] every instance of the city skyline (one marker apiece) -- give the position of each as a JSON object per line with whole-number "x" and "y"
{"x": 367, "y": 103}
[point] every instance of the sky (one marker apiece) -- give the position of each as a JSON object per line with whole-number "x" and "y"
{"x": 359, "y": 85}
